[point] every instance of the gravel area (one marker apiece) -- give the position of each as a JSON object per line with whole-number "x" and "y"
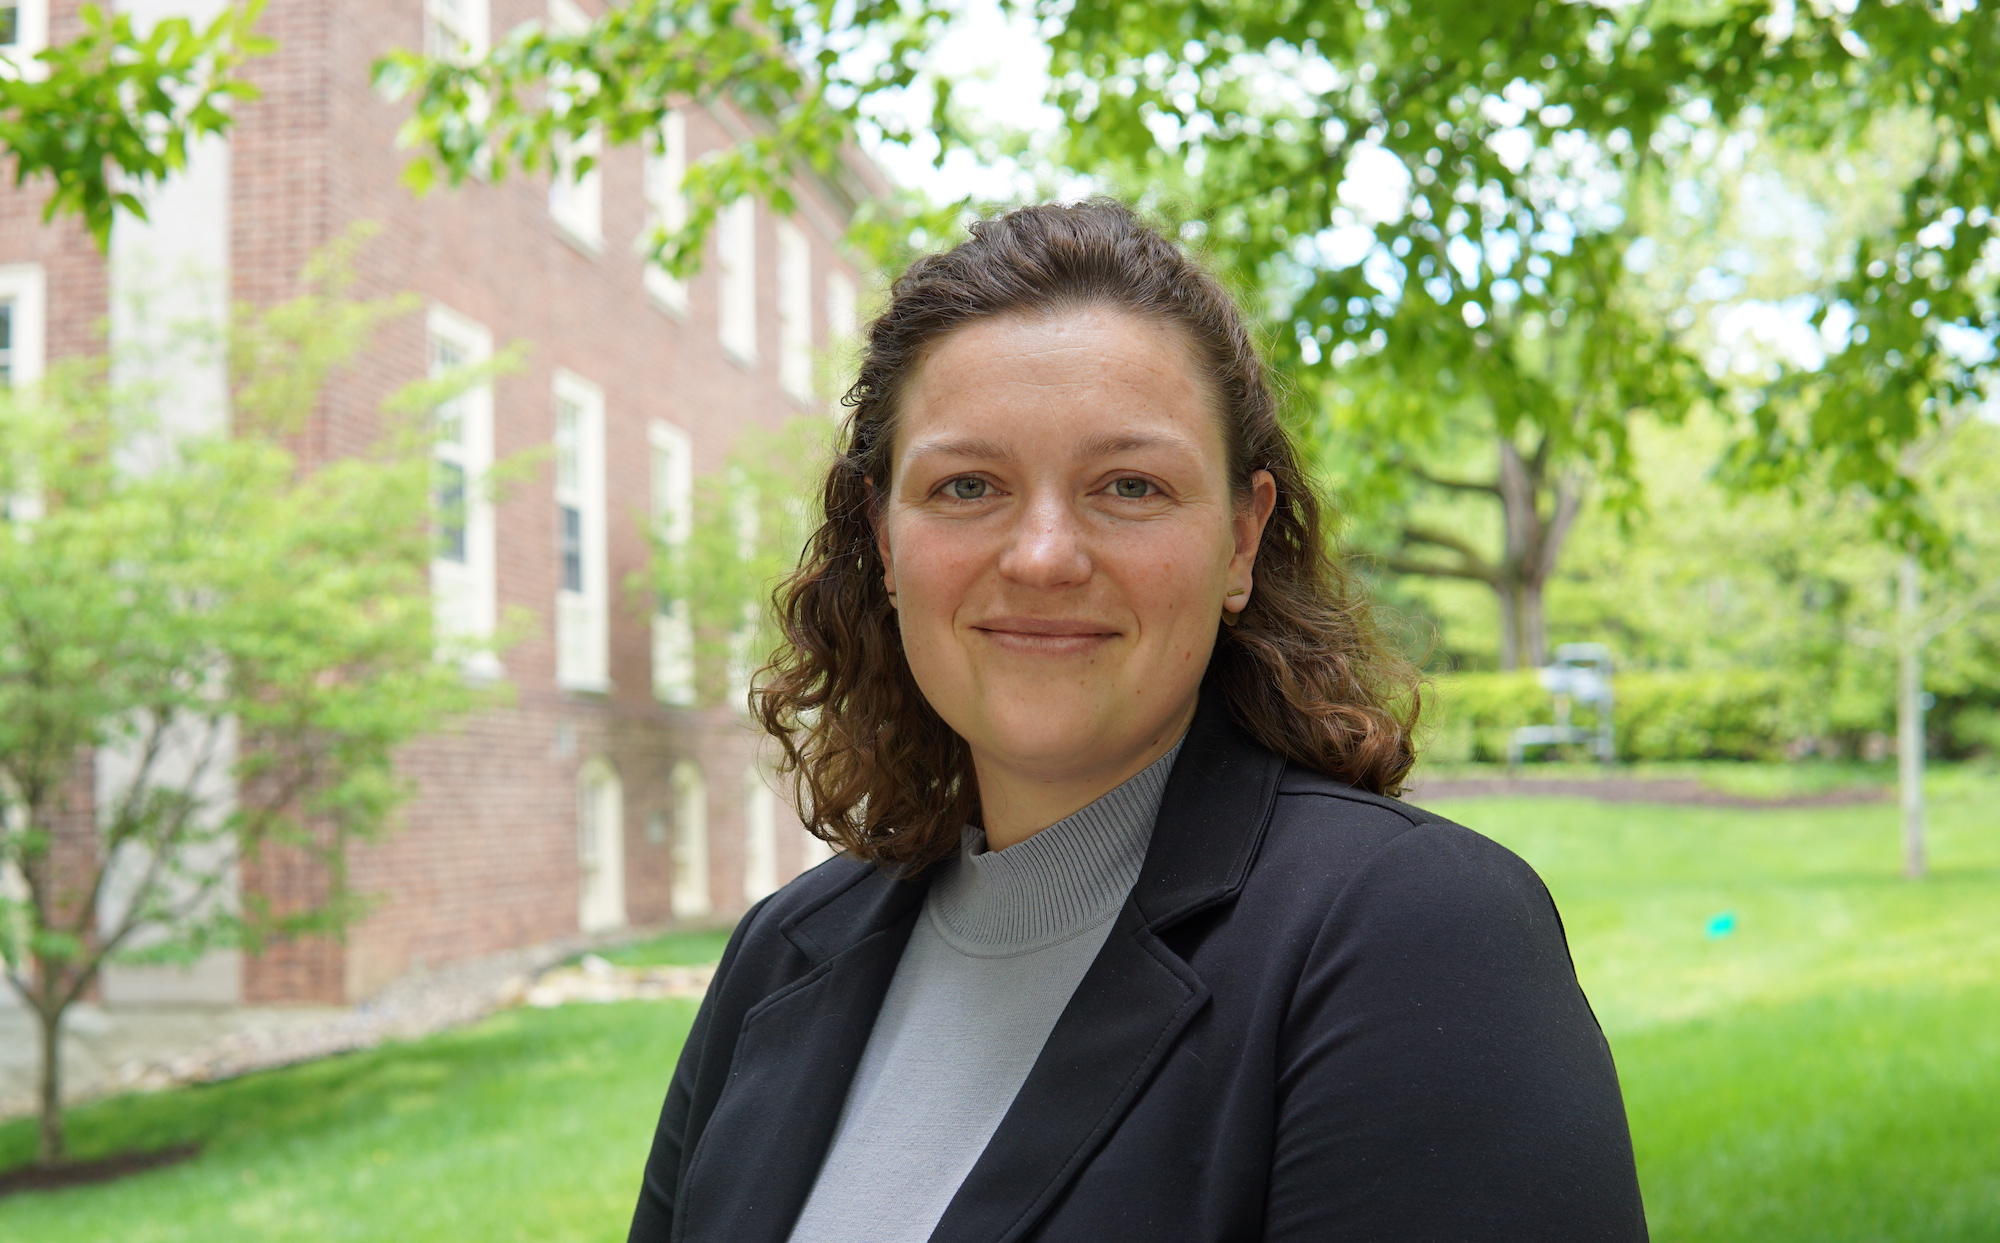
{"x": 122, "y": 1049}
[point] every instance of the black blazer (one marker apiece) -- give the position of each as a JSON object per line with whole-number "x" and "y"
{"x": 1321, "y": 1015}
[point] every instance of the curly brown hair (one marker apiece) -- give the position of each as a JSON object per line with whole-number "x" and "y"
{"x": 1305, "y": 672}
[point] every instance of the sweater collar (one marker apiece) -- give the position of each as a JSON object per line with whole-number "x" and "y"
{"x": 1069, "y": 877}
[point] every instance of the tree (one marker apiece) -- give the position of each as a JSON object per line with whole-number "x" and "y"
{"x": 746, "y": 525}
{"x": 802, "y": 73}
{"x": 233, "y": 647}
{"x": 113, "y": 112}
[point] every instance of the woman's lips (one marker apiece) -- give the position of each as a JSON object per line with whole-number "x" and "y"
{"x": 1046, "y": 636}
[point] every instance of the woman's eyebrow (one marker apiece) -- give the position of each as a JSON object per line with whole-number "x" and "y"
{"x": 1128, "y": 442}
{"x": 964, "y": 446}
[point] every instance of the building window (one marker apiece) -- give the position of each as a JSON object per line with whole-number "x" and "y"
{"x": 843, "y": 331}
{"x": 841, "y": 324}
{"x": 746, "y": 516}
{"x": 464, "y": 586}
{"x": 736, "y": 246}
{"x": 456, "y": 29}
{"x": 795, "y": 312}
{"x": 571, "y": 538}
{"x": 24, "y": 31}
{"x": 450, "y": 506}
{"x": 448, "y": 430}
{"x": 666, "y": 207}
{"x": 690, "y": 849}
{"x": 600, "y": 847}
{"x": 583, "y": 591}
{"x": 673, "y": 521}
{"x": 463, "y": 562}
{"x": 576, "y": 192}
{"x": 760, "y": 836}
{"x": 22, "y": 301}
{"x": 576, "y": 199}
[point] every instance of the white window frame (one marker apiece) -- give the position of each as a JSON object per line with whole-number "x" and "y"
{"x": 736, "y": 279}
{"x": 690, "y": 892}
{"x": 666, "y": 209}
{"x": 747, "y": 518}
{"x": 843, "y": 331}
{"x": 583, "y": 617}
{"x": 465, "y": 594}
{"x": 576, "y": 202}
{"x": 795, "y": 313}
{"x": 842, "y": 317}
{"x": 760, "y": 835}
{"x": 459, "y": 30}
{"x": 25, "y": 288}
{"x": 672, "y": 452}
{"x": 31, "y": 35}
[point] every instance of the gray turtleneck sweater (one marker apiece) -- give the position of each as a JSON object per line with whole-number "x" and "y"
{"x": 1004, "y": 939}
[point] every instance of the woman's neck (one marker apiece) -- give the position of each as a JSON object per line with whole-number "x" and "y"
{"x": 1017, "y": 801}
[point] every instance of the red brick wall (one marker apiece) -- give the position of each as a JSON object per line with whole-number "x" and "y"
{"x": 485, "y": 855}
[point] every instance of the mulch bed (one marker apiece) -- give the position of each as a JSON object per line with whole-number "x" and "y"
{"x": 96, "y": 1170}
{"x": 1633, "y": 790}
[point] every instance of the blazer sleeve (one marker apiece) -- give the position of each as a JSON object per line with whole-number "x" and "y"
{"x": 653, "y": 1220}
{"x": 1441, "y": 1075}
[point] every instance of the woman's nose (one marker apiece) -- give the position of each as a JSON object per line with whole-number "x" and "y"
{"x": 1047, "y": 548}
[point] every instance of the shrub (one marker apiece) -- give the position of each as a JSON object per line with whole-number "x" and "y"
{"x": 1656, "y": 716}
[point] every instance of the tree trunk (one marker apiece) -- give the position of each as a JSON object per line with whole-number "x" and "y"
{"x": 1537, "y": 509}
{"x": 1910, "y": 742}
{"x": 52, "y": 1145}
{"x": 1523, "y": 633}
{"x": 1507, "y": 597}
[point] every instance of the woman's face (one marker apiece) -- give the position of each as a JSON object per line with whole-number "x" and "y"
{"x": 1061, "y": 538}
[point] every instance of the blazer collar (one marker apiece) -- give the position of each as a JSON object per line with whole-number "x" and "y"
{"x": 1212, "y": 818}
{"x": 798, "y": 1049}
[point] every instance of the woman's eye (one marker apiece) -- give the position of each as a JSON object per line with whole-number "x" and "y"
{"x": 1132, "y": 489}
{"x": 967, "y": 489}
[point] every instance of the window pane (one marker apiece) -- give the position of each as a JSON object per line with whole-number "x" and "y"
{"x": 567, "y": 418}
{"x": 571, "y": 541}
{"x": 10, "y": 24}
{"x": 451, "y": 512}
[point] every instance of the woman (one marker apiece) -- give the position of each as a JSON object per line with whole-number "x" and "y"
{"x": 1130, "y": 938}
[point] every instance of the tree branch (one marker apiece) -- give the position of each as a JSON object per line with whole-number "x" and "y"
{"x": 1455, "y": 485}
{"x": 1471, "y": 564}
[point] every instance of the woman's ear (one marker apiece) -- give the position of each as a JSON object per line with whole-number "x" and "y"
{"x": 881, "y": 532}
{"x": 1248, "y": 522}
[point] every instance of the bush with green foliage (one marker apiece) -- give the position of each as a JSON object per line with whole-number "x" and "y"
{"x": 1656, "y": 716}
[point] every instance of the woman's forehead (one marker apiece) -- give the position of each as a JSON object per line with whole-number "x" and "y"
{"x": 1090, "y": 379}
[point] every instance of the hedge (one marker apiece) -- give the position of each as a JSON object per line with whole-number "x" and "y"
{"x": 1656, "y": 716}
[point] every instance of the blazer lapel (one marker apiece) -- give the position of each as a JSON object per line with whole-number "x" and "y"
{"x": 1137, "y": 996}
{"x": 761, "y": 1149}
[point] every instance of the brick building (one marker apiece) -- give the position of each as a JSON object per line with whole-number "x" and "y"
{"x": 600, "y": 796}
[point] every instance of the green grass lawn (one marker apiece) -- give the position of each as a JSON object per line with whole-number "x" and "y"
{"x": 1827, "y": 1070}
